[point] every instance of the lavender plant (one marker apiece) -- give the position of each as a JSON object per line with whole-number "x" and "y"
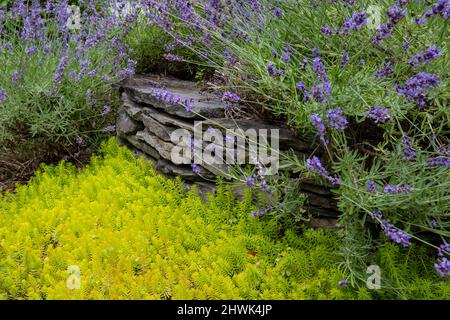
{"x": 375, "y": 96}
{"x": 57, "y": 68}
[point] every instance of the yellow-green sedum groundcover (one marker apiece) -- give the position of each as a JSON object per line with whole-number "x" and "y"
{"x": 125, "y": 232}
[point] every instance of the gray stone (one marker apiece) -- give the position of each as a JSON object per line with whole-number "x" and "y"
{"x": 142, "y": 90}
{"x": 126, "y": 125}
{"x": 142, "y": 146}
{"x": 287, "y": 139}
{"x": 162, "y": 147}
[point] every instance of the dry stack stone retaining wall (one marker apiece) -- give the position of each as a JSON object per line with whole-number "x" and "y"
{"x": 145, "y": 123}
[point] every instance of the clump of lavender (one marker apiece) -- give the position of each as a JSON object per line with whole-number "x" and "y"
{"x": 379, "y": 114}
{"x": 397, "y": 189}
{"x": 336, "y": 119}
{"x": 408, "y": 153}
{"x": 317, "y": 122}
{"x": 422, "y": 58}
{"x": 316, "y": 166}
{"x": 414, "y": 88}
{"x": 397, "y": 235}
{"x": 441, "y": 158}
{"x": 385, "y": 71}
{"x": 443, "y": 264}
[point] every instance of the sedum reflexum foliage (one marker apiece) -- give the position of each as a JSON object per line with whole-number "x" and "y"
{"x": 134, "y": 234}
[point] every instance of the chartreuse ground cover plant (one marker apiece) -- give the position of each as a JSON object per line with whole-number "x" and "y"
{"x": 369, "y": 79}
{"x": 135, "y": 234}
{"x": 131, "y": 233}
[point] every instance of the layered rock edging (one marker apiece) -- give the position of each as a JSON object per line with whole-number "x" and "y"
{"x": 145, "y": 123}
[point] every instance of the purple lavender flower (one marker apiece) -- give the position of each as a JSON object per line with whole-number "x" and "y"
{"x": 278, "y": 12}
{"x": 318, "y": 66}
{"x": 302, "y": 87}
{"x": 31, "y": 51}
{"x": 385, "y": 71}
{"x": 442, "y": 7}
{"x": 273, "y": 71}
{"x": 434, "y": 224}
{"x": 59, "y": 73}
{"x": 422, "y": 58}
{"x": 336, "y": 119}
{"x": 93, "y": 72}
{"x": 397, "y": 189}
{"x": 384, "y": 31}
{"x": 441, "y": 158}
{"x": 15, "y": 77}
{"x": 315, "y": 165}
{"x": 405, "y": 46}
{"x": 250, "y": 182}
{"x": 315, "y": 52}
{"x": 359, "y": 20}
{"x": 395, "y": 14}
{"x": 443, "y": 264}
{"x": 287, "y": 53}
{"x": 317, "y": 122}
{"x": 196, "y": 169}
{"x": 379, "y": 114}
{"x": 345, "y": 58}
{"x": 327, "y": 30}
{"x": 109, "y": 129}
{"x": 342, "y": 283}
{"x": 371, "y": 186}
{"x": 304, "y": 63}
{"x": 173, "y": 57}
{"x": 397, "y": 235}
{"x": 170, "y": 98}
{"x": 231, "y": 97}
{"x": 408, "y": 153}
{"x": 414, "y": 88}
{"x": 106, "y": 111}
{"x": 2, "y": 95}
{"x": 262, "y": 211}
{"x": 420, "y": 21}
{"x": 230, "y": 58}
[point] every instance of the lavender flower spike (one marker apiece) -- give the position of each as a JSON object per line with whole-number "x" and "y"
{"x": 379, "y": 114}
{"x": 336, "y": 119}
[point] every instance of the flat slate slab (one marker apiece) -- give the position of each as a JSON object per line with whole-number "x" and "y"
{"x": 144, "y": 90}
